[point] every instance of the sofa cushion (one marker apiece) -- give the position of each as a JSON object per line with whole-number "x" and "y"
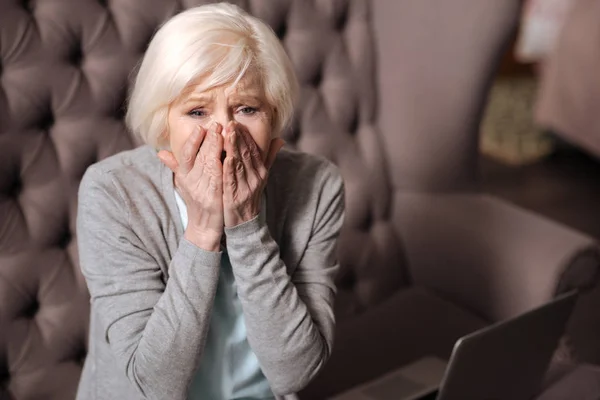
{"x": 435, "y": 62}
{"x": 580, "y": 383}
{"x": 43, "y": 324}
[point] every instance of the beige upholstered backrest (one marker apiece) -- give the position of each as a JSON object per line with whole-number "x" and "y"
{"x": 64, "y": 73}
{"x": 437, "y": 60}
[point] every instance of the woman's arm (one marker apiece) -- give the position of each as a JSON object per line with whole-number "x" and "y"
{"x": 290, "y": 320}
{"x": 156, "y": 330}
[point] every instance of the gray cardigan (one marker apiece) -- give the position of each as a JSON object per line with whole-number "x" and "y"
{"x": 152, "y": 290}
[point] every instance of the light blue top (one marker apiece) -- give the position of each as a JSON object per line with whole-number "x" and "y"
{"x": 229, "y": 368}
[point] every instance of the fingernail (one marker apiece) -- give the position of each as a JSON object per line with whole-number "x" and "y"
{"x": 232, "y": 137}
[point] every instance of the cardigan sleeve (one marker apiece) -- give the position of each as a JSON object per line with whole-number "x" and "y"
{"x": 156, "y": 330}
{"x": 289, "y": 319}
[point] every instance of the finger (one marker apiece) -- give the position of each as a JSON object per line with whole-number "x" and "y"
{"x": 229, "y": 180}
{"x": 257, "y": 166}
{"x": 190, "y": 149}
{"x": 276, "y": 145}
{"x": 231, "y": 140}
{"x": 250, "y": 176}
{"x": 169, "y": 160}
{"x": 210, "y": 187}
{"x": 210, "y": 167}
{"x": 237, "y": 167}
{"x": 244, "y": 150}
{"x": 240, "y": 172}
{"x": 214, "y": 178}
{"x": 213, "y": 145}
{"x": 255, "y": 153}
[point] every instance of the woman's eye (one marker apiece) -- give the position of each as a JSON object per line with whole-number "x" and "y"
{"x": 247, "y": 110}
{"x": 197, "y": 113}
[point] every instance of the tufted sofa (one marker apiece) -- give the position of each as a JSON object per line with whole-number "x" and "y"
{"x": 392, "y": 91}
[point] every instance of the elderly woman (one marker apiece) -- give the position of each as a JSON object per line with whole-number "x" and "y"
{"x": 210, "y": 262}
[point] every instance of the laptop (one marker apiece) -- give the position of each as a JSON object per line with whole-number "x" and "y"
{"x": 504, "y": 361}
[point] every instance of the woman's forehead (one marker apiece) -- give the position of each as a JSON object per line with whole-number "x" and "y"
{"x": 249, "y": 84}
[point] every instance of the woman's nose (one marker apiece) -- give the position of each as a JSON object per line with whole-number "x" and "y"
{"x": 222, "y": 118}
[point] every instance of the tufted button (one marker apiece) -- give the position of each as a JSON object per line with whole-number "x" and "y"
{"x": 47, "y": 121}
{"x": 144, "y": 44}
{"x": 367, "y": 223}
{"x": 15, "y": 188}
{"x": 120, "y": 112}
{"x": 347, "y": 280}
{"x": 341, "y": 20}
{"x": 317, "y": 78}
{"x": 4, "y": 371}
{"x": 32, "y": 309}
{"x": 4, "y": 379}
{"x": 81, "y": 355}
{"x": 65, "y": 239}
{"x": 281, "y": 30}
{"x": 354, "y": 124}
{"x": 29, "y": 5}
{"x": 120, "y": 104}
{"x": 76, "y": 56}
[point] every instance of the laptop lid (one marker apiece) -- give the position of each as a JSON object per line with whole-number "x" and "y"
{"x": 507, "y": 360}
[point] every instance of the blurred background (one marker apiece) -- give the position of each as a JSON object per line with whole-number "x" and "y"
{"x": 540, "y": 136}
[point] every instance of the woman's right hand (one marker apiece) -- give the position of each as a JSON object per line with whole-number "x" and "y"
{"x": 198, "y": 178}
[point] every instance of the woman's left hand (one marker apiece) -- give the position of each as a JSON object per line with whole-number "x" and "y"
{"x": 244, "y": 174}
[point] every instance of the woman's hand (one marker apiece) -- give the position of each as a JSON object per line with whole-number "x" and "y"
{"x": 199, "y": 180}
{"x": 244, "y": 174}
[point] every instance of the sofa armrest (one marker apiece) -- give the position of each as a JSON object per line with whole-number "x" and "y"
{"x": 581, "y": 382}
{"x": 491, "y": 257}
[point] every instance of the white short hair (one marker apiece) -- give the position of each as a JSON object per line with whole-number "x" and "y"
{"x": 215, "y": 42}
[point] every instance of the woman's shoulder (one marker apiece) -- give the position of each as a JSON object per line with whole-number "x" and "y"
{"x": 141, "y": 159}
{"x": 138, "y": 164}
{"x": 123, "y": 177}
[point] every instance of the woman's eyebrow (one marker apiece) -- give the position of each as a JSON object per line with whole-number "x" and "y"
{"x": 245, "y": 97}
{"x": 198, "y": 97}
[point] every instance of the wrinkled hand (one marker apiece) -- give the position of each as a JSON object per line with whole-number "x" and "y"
{"x": 244, "y": 174}
{"x": 199, "y": 181}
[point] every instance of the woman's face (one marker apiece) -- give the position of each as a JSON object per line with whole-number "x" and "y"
{"x": 244, "y": 103}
